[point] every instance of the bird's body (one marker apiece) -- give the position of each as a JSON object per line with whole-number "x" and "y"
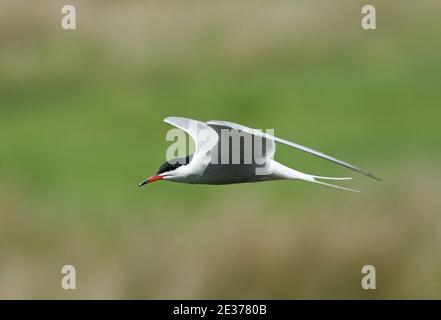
{"x": 225, "y": 174}
{"x": 219, "y": 159}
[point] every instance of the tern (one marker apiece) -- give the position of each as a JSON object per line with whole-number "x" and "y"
{"x": 204, "y": 167}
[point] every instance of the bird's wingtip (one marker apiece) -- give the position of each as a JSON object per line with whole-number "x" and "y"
{"x": 375, "y": 177}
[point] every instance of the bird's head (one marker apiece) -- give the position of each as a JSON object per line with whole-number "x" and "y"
{"x": 169, "y": 170}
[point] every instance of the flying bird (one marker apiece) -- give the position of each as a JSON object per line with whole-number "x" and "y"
{"x": 214, "y": 163}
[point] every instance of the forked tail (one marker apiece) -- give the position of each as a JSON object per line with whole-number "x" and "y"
{"x": 314, "y": 179}
{"x": 283, "y": 172}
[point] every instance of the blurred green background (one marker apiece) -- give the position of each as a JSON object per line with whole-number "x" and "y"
{"x": 81, "y": 124}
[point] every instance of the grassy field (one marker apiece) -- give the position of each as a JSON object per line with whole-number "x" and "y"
{"x": 81, "y": 124}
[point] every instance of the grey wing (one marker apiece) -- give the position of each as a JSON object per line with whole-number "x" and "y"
{"x": 239, "y": 154}
{"x": 294, "y": 145}
{"x": 261, "y": 147}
